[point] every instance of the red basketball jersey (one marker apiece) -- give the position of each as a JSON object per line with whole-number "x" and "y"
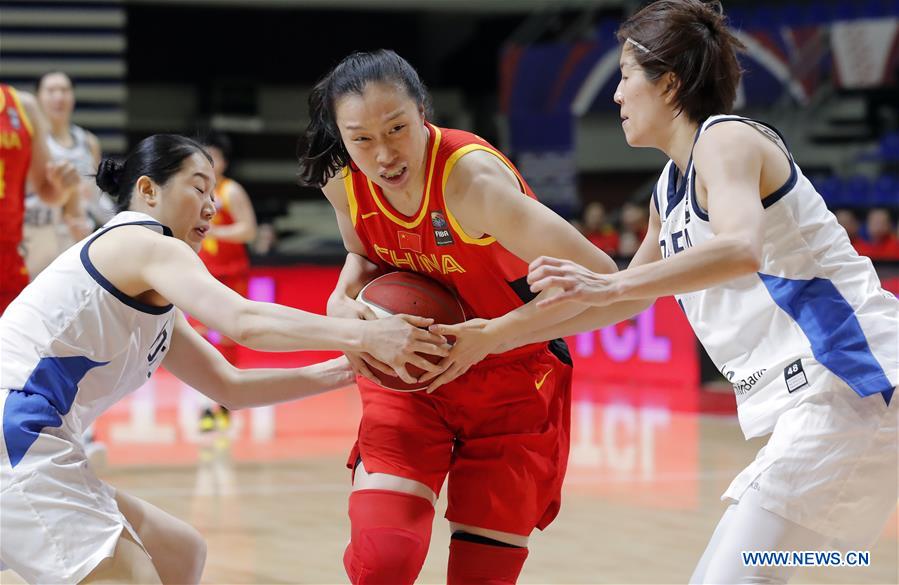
{"x": 488, "y": 279}
{"x": 223, "y": 258}
{"x": 15, "y": 159}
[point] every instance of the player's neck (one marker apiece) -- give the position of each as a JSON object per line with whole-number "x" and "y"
{"x": 407, "y": 199}
{"x": 678, "y": 143}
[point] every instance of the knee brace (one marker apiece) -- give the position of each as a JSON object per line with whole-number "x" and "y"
{"x": 390, "y": 535}
{"x": 477, "y": 560}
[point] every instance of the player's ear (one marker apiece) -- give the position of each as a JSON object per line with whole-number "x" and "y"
{"x": 146, "y": 190}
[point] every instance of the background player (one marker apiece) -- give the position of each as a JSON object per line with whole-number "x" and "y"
{"x": 785, "y": 307}
{"x": 411, "y": 196}
{"x": 224, "y": 253}
{"x": 24, "y": 157}
{"x": 94, "y": 327}
{"x": 50, "y": 229}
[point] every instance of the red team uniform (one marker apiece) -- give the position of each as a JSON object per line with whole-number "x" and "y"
{"x": 15, "y": 159}
{"x": 227, "y": 261}
{"x": 501, "y": 430}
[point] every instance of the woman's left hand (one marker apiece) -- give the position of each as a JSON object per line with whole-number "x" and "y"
{"x": 475, "y": 339}
{"x": 578, "y": 284}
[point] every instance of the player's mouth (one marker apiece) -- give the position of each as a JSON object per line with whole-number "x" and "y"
{"x": 395, "y": 176}
{"x": 624, "y": 120}
{"x": 201, "y": 231}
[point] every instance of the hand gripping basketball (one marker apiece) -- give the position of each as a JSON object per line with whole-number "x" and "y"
{"x": 416, "y": 300}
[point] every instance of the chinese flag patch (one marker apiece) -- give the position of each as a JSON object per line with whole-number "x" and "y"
{"x": 410, "y": 241}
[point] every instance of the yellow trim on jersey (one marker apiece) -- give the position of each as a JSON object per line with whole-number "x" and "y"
{"x": 22, "y": 112}
{"x": 427, "y": 194}
{"x": 350, "y": 194}
{"x": 3, "y": 99}
{"x": 450, "y": 163}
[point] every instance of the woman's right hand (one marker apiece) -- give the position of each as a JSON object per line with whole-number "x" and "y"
{"x": 394, "y": 341}
{"x": 389, "y": 342}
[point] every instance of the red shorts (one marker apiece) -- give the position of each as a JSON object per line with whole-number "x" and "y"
{"x": 501, "y": 433}
{"x": 13, "y": 274}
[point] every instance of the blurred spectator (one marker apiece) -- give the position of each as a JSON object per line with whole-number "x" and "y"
{"x": 598, "y": 230}
{"x": 224, "y": 253}
{"x": 850, "y": 223}
{"x": 634, "y": 223}
{"x": 881, "y": 243}
{"x": 50, "y": 230}
{"x": 265, "y": 241}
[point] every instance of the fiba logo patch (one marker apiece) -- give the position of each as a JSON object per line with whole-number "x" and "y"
{"x": 441, "y": 229}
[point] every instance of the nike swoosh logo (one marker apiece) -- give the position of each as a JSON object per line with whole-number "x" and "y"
{"x": 539, "y": 385}
{"x": 367, "y": 215}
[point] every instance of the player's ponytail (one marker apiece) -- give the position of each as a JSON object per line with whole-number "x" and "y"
{"x": 158, "y": 157}
{"x": 320, "y": 150}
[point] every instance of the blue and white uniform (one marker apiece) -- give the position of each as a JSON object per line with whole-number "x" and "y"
{"x": 71, "y": 345}
{"x": 810, "y": 343}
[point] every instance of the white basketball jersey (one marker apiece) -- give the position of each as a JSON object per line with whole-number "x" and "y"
{"x": 814, "y": 301}
{"x": 74, "y": 339}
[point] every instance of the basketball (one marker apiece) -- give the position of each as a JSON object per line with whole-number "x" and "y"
{"x": 412, "y": 294}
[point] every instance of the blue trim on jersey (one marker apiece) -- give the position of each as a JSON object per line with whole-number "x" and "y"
{"x": 767, "y": 201}
{"x": 784, "y": 189}
{"x": 102, "y": 281}
{"x": 836, "y": 337}
{"x": 675, "y": 192}
{"x": 48, "y": 393}
{"x": 655, "y": 198}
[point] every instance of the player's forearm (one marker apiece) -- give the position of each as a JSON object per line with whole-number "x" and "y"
{"x": 271, "y": 327}
{"x": 357, "y": 271}
{"x": 591, "y": 319}
{"x": 261, "y": 387}
{"x": 528, "y": 318}
{"x": 237, "y": 233}
{"x": 711, "y": 263}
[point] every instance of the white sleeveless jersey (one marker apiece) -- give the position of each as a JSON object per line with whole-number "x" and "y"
{"x": 815, "y": 308}
{"x": 100, "y": 208}
{"x": 74, "y": 339}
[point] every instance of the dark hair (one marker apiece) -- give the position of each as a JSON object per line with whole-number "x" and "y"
{"x": 159, "y": 157}
{"x": 320, "y": 149}
{"x": 220, "y": 141}
{"x": 689, "y": 38}
{"x": 43, "y": 78}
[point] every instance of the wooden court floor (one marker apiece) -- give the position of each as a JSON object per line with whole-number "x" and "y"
{"x": 631, "y": 520}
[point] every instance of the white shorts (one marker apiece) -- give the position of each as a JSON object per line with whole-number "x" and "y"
{"x": 57, "y": 518}
{"x": 830, "y": 465}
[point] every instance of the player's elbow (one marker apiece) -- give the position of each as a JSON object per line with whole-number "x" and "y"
{"x": 231, "y": 397}
{"x": 746, "y": 253}
{"x": 245, "y": 326}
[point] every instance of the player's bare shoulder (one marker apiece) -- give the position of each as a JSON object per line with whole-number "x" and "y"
{"x": 475, "y": 172}
{"x": 335, "y": 191}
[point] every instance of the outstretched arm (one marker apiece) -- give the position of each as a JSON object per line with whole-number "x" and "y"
{"x": 196, "y": 362}
{"x": 598, "y": 317}
{"x": 730, "y": 164}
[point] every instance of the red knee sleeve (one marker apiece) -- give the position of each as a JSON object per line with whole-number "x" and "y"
{"x": 471, "y": 563}
{"x": 391, "y": 532}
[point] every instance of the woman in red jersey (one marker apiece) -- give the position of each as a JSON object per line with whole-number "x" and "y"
{"x": 444, "y": 203}
{"x": 24, "y": 157}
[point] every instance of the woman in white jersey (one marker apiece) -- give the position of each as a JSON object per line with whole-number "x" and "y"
{"x": 49, "y": 230}
{"x": 783, "y": 304}
{"x": 95, "y": 325}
